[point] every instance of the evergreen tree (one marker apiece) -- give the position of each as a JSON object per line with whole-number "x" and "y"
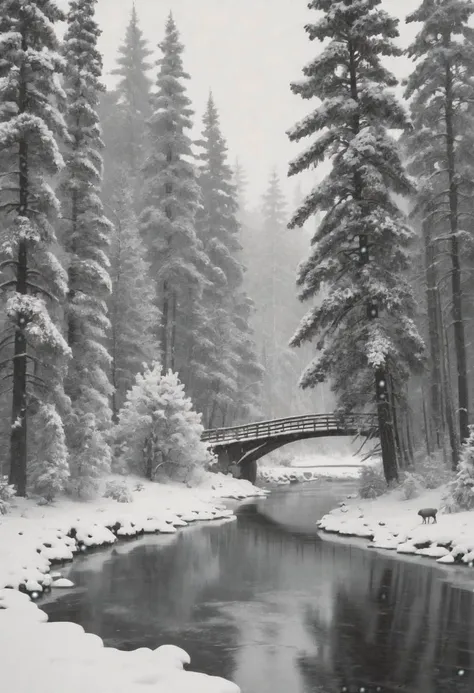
{"x": 442, "y": 93}
{"x": 48, "y": 471}
{"x": 276, "y": 279}
{"x": 460, "y": 495}
{"x": 214, "y": 363}
{"x": 171, "y": 199}
{"x": 158, "y": 433}
{"x": 86, "y": 235}
{"x": 133, "y": 91}
{"x": 132, "y": 313}
{"x": 364, "y": 326}
{"x": 34, "y": 350}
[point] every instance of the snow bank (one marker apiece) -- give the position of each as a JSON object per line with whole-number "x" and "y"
{"x": 33, "y": 537}
{"x": 291, "y": 475}
{"x": 40, "y": 656}
{"x": 392, "y": 523}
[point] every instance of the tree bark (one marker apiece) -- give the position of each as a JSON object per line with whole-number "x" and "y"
{"x": 431, "y": 276}
{"x": 387, "y": 439}
{"x": 389, "y": 458}
{"x": 164, "y": 328}
{"x": 446, "y": 370}
{"x": 456, "y": 280}
{"x": 18, "y": 435}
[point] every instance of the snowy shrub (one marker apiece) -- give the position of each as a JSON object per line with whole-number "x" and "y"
{"x": 158, "y": 433}
{"x": 119, "y": 491}
{"x": 89, "y": 457}
{"x": 460, "y": 494}
{"x": 372, "y": 481}
{"x": 433, "y": 471}
{"x": 411, "y": 486}
{"x": 7, "y": 493}
{"x": 48, "y": 471}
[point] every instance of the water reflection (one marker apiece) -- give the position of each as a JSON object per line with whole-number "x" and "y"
{"x": 278, "y": 610}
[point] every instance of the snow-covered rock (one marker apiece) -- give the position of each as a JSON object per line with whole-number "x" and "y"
{"x": 54, "y": 650}
{"x": 393, "y": 523}
{"x": 32, "y": 537}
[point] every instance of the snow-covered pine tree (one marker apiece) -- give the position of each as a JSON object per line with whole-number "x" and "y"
{"x": 133, "y": 91}
{"x": 214, "y": 381}
{"x": 442, "y": 92}
{"x": 460, "y": 495}
{"x": 86, "y": 237}
{"x": 248, "y": 405}
{"x": 158, "y": 433}
{"x": 33, "y": 349}
{"x": 48, "y": 471}
{"x": 133, "y": 316}
{"x": 170, "y": 201}
{"x": 278, "y": 321}
{"x": 365, "y": 331}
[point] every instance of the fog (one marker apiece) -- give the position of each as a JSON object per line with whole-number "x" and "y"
{"x": 247, "y": 52}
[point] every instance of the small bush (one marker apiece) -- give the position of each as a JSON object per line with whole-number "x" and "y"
{"x": 119, "y": 491}
{"x": 372, "y": 482}
{"x": 412, "y": 485}
{"x": 460, "y": 495}
{"x": 7, "y": 493}
{"x": 433, "y": 471}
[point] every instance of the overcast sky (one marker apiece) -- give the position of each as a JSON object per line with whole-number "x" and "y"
{"x": 247, "y": 52}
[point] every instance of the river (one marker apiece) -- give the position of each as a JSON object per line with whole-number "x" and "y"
{"x": 266, "y": 602}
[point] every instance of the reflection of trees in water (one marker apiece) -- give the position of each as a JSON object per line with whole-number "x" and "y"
{"x": 405, "y": 630}
{"x": 217, "y": 591}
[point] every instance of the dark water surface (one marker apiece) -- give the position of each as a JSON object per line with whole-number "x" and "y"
{"x": 276, "y": 609}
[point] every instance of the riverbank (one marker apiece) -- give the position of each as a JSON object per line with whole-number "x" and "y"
{"x": 391, "y": 523}
{"x": 33, "y": 537}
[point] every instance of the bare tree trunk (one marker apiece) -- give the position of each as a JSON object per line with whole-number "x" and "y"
{"x": 446, "y": 370}
{"x": 426, "y": 422}
{"x": 174, "y": 301}
{"x": 458, "y": 323}
{"x": 164, "y": 328}
{"x": 409, "y": 439}
{"x": 18, "y": 435}
{"x": 434, "y": 337}
{"x": 387, "y": 441}
{"x": 396, "y": 430}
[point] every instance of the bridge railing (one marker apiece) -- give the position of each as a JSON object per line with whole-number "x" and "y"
{"x": 293, "y": 424}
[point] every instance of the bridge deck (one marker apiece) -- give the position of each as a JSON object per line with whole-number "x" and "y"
{"x": 330, "y": 424}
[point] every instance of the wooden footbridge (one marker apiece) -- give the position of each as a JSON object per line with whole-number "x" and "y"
{"x": 239, "y": 447}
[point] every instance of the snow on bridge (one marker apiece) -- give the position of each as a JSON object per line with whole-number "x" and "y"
{"x": 239, "y": 447}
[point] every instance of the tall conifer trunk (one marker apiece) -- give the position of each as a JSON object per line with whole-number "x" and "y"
{"x": 431, "y": 276}
{"x": 385, "y": 423}
{"x": 457, "y": 312}
{"x": 18, "y": 436}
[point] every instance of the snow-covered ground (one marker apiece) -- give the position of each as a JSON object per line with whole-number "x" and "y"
{"x": 39, "y": 657}
{"x": 311, "y": 468}
{"x": 390, "y": 522}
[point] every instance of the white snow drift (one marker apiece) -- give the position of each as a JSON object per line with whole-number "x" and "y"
{"x": 392, "y": 523}
{"x": 32, "y": 537}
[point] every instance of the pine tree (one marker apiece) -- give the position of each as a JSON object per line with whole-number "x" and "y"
{"x": 133, "y": 91}
{"x": 158, "y": 433}
{"x": 442, "y": 92}
{"x": 86, "y": 235}
{"x": 215, "y": 375}
{"x": 460, "y": 495}
{"x": 132, "y": 313}
{"x": 34, "y": 280}
{"x": 364, "y": 326}
{"x": 171, "y": 199}
{"x": 48, "y": 471}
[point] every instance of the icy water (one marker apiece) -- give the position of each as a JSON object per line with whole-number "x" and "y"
{"x": 267, "y": 603}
